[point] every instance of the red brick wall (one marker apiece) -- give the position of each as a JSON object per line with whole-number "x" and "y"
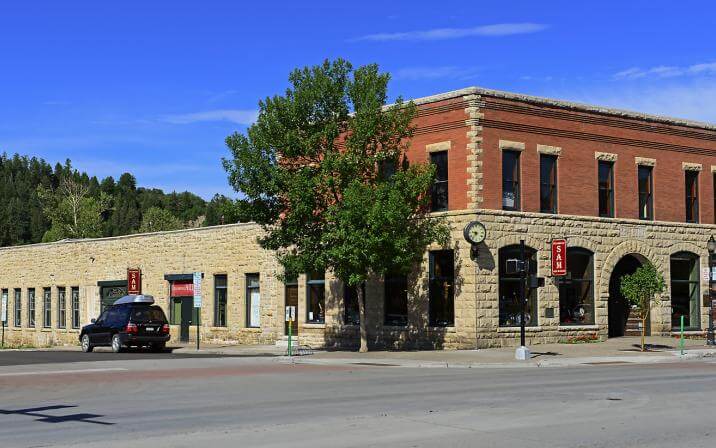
{"x": 580, "y": 135}
{"x": 438, "y": 122}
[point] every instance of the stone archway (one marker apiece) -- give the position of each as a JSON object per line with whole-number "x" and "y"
{"x": 618, "y": 308}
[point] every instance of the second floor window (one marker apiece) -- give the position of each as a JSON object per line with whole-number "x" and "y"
{"x": 646, "y": 196}
{"x": 606, "y": 189}
{"x": 548, "y": 183}
{"x": 439, "y": 194}
{"x": 510, "y": 180}
{"x": 692, "y": 196}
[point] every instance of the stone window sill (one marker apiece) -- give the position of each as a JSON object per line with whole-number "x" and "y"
{"x": 219, "y": 328}
{"x": 314, "y": 325}
{"x": 517, "y": 329}
{"x": 578, "y": 327}
{"x": 252, "y": 329}
{"x": 450, "y": 329}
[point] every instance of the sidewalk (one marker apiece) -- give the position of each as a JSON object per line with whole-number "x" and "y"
{"x": 624, "y": 350}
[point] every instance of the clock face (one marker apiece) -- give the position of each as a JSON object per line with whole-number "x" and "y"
{"x": 475, "y": 232}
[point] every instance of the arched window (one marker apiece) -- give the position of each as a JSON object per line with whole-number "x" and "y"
{"x": 510, "y": 288}
{"x": 685, "y": 290}
{"x": 576, "y": 289}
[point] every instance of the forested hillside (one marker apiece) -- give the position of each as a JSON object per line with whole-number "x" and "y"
{"x": 39, "y": 202}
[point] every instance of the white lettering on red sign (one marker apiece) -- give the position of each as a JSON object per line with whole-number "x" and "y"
{"x": 559, "y": 261}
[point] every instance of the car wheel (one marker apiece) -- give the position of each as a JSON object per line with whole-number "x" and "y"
{"x": 86, "y": 346}
{"x": 116, "y": 344}
{"x": 156, "y": 348}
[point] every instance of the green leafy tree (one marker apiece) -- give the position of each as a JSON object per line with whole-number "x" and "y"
{"x": 642, "y": 289}
{"x": 159, "y": 220}
{"x": 72, "y": 212}
{"x": 324, "y": 171}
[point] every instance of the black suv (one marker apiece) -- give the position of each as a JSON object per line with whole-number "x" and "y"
{"x": 125, "y": 325}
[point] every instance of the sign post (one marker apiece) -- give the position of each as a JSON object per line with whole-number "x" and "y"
{"x": 197, "y": 303}
{"x": 290, "y": 316}
{"x": 3, "y": 317}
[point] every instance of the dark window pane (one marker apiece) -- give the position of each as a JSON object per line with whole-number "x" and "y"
{"x": 685, "y": 290}
{"x": 442, "y": 288}
{"x": 576, "y": 290}
{"x": 220, "y": 296}
{"x": 46, "y": 308}
{"x": 18, "y": 308}
{"x": 61, "y": 307}
{"x": 75, "y": 307}
{"x": 692, "y": 196}
{"x": 439, "y": 194}
{"x": 31, "y": 307}
{"x": 548, "y": 184}
{"x": 645, "y": 193}
{"x": 396, "y": 300}
{"x": 510, "y": 180}
{"x": 316, "y": 298}
{"x": 606, "y": 189}
{"x": 509, "y": 289}
{"x": 351, "y": 311}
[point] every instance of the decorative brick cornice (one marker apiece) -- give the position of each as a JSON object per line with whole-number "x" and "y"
{"x": 644, "y": 161}
{"x": 605, "y": 156}
{"x": 549, "y": 150}
{"x": 688, "y": 166}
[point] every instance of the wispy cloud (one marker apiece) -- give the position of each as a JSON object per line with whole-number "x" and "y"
{"x": 245, "y": 117}
{"x": 694, "y": 100}
{"x": 667, "y": 71}
{"x": 442, "y": 72}
{"x": 494, "y": 30}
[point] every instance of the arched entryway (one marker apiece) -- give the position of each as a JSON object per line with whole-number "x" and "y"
{"x": 618, "y": 309}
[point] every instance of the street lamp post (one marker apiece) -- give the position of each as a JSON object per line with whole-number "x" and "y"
{"x": 710, "y": 333}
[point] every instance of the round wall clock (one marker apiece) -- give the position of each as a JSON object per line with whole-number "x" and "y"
{"x": 475, "y": 232}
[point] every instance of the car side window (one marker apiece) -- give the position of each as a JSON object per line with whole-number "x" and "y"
{"x": 102, "y": 317}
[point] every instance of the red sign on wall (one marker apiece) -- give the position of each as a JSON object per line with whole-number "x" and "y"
{"x": 182, "y": 289}
{"x": 559, "y": 257}
{"x": 134, "y": 281}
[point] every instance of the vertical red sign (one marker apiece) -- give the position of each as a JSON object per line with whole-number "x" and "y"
{"x": 134, "y": 281}
{"x": 559, "y": 257}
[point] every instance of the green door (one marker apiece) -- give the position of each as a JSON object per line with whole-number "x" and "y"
{"x": 109, "y": 294}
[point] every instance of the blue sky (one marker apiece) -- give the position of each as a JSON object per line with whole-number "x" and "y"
{"x": 154, "y": 87}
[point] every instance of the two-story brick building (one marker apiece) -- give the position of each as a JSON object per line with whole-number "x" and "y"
{"x": 621, "y": 187}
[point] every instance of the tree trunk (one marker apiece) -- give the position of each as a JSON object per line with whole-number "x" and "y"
{"x": 360, "y": 292}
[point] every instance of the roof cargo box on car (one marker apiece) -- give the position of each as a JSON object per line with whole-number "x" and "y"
{"x": 140, "y": 298}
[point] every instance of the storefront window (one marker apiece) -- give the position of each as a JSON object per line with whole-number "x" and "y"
{"x": 509, "y": 292}
{"x": 396, "y": 300}
{"x": 31, "y": 307}
{"x": 75, "y": 307}
{"x": 253, "y": 301}
{"x": 351, "y": 311}
{"x": 61, "y": 307}
{"x": 46, "y": 308}
{"x": 442, "y": 288}
{"x": 576, "y": 290}
{"x": 18, "y": 308}
{"x": 685, "y": 290}
{"x": 220, "y": 282}
{"x": 316, "y": 286}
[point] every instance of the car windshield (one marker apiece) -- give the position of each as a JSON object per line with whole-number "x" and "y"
{"x": 147, "y": 314}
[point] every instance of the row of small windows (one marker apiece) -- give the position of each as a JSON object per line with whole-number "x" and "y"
{"x": 511, "y": 188}
{"x": 30, "y": 317}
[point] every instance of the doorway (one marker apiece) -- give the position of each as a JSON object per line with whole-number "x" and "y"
{"x": 619, "y": 308}
{"x": 183, "y": 314}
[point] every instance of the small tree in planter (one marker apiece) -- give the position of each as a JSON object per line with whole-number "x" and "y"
{"x": 641, "y": 289}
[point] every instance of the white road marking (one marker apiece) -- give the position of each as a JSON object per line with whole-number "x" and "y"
{"x": 55, "y": 372}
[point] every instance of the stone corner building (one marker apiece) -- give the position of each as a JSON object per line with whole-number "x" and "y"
{"x": 621, "y": 187}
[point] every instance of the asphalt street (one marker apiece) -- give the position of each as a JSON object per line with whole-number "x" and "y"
{"x": 165, "y": 400}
